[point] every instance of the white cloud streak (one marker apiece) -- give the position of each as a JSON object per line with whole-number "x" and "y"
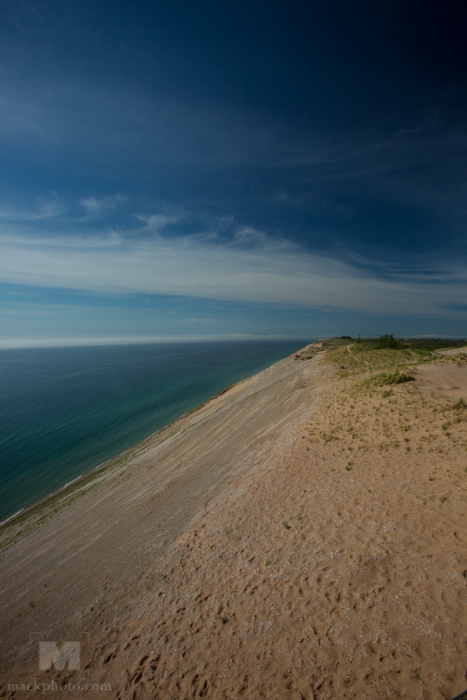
{"x": 155, "y": 222}
{"x": 252, "y": 268}
{"x": 45, "y": 209}
{"x": 95, "y": 207}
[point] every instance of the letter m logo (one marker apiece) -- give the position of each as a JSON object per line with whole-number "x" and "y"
{"x": 50, "y": 655}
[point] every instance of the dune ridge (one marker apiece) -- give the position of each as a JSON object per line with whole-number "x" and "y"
{"x": 301, "y": 535}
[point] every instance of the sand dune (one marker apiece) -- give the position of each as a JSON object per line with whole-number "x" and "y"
{"x": 298, "y": 536}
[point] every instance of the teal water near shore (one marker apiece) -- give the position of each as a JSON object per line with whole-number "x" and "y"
{"x": 64, "y": 411}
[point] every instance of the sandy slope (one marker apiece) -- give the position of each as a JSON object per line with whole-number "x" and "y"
{"x": 284, "y": 541}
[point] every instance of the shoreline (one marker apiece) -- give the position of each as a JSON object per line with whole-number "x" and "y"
{"x": 121, "y": 455}
{"x": 23, "y": 512}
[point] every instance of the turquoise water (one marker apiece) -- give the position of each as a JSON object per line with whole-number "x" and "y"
{"x": 63, "y": 411}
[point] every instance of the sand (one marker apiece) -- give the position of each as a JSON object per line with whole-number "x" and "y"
{"x": 303, "y": 535}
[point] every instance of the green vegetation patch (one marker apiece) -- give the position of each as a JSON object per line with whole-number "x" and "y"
{"x": 388, "y": 341}
{"x": 387, "y": 379}
{"x": 365, "y": 356}
{"x": 357, "y": 359}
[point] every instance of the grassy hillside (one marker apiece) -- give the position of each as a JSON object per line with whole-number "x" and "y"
{"x": 376, "y": 403}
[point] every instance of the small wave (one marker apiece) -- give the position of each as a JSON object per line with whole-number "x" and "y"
{"x": 11, "y": 517}
{"x": 71, "y": 482}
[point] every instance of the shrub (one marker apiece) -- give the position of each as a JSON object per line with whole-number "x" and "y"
{"x": 387, "y": 341}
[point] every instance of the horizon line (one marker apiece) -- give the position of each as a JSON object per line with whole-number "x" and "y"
{"x": 11, "y": 343}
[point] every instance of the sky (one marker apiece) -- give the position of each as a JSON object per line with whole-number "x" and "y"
{"x": 179, "y": 169}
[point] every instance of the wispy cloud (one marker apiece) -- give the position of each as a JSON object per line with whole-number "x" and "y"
{"x": 96, "y": 207}
{"x": 44, "y": 208}
{"x": 252, "y": 268}
{"x": 155, "y": 222}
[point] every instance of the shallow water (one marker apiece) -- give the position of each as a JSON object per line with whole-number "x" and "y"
{"x": 63, "y": 411}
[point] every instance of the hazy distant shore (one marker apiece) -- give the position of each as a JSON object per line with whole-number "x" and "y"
{"x": 301, "y": 534}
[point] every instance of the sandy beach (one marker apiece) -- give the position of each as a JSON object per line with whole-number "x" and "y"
{"x": 301, "y": 535}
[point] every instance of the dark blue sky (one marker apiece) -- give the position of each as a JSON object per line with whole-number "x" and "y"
{"x": 192, "y": 169}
